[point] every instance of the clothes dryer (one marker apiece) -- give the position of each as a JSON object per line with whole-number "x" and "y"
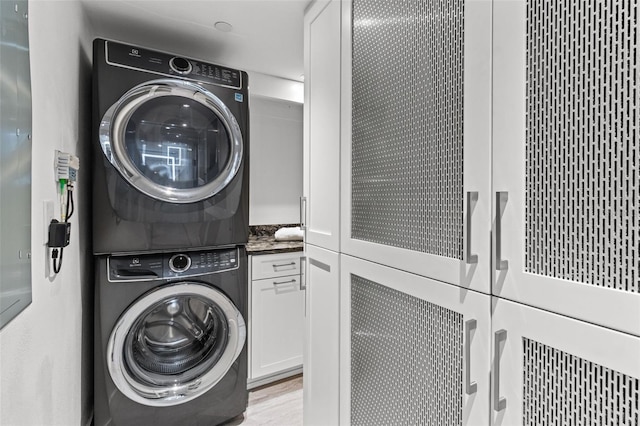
{"x": 170, "y": 338}
{"x": 170, "y": 146}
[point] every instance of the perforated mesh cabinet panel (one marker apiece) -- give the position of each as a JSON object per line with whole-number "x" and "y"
{"x": 407, "y": 112}
{"x": 565, "y": 390}
{"x": 406, "y": 359}
{"x": 582, "y": 142}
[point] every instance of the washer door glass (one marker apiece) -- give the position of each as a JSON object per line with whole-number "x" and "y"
{"x": 174, "y": 344}
{"x": 173, "y": 140}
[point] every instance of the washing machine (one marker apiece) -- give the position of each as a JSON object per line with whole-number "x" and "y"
{"x": 171, "y": 145}
{"x": 170, "y": 338}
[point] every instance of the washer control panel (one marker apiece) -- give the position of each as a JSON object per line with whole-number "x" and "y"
{"x": 146, "y": 267}
{"x": 128, "y": 56}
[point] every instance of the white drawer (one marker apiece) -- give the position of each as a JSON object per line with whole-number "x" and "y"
{"x": 275, "y": 265}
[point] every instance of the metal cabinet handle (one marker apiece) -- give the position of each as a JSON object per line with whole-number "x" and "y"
{"x": 501, "y": 199}
{"x": 303, "y": 281}
{"x": 303, "y": 213}
{"x": 282, "y": 265}
{"x": 284, "y": 282}
{"x": 472, "y": 197}
{"x": 499, "y": 403}
{"x": 471, "y": 387}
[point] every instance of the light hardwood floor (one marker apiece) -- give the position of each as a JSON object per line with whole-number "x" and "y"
{"x": 276, "y": 404}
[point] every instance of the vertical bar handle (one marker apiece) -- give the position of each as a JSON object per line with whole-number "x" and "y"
{"x": 303, "y": 275}
{"x": 501, "y": 199}
{"x": 303, "y": 213}
{"x": 472, "y": 198}
{"x": 499, "y": 403}
{"x": 471, "y": 387}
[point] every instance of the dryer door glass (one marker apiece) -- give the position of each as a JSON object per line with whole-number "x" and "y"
{"x": 172, "y": 140}
{"x": 177, "y": 142}
{"x": 174, "y": 344}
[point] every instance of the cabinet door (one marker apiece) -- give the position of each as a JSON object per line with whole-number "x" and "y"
{"x": 416, "y": 136}
{"x": 321, "y": 355}
{"x": 566, "y": 166}
{"x": 320, "y": 204}
{"x": 549, "y": 368}
{"x": 413, "y": 350}
{"x": 277, "y": 327}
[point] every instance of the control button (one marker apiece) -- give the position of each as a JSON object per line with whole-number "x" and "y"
{"x": 180, "y": 65}
{"x": 179, "y": 262}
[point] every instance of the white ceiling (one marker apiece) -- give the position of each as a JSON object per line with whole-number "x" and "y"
{"x": 266, "y": 36}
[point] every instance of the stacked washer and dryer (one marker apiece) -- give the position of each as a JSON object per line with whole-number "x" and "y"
{"x": 170, "y": 225}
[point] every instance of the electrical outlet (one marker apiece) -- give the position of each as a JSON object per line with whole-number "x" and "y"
{"x": 48, "y": 216}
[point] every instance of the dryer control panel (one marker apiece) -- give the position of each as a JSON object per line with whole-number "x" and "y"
{"x": 147, "y": 267}
{"x": 127, "y": 56}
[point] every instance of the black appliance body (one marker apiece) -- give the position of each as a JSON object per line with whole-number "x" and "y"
{"x": 171, "y": 144}
{"x": 170, "y": 338}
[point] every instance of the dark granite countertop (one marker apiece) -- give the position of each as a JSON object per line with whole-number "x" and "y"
{"x": 268, "y": 245}
{"x": 262, "y": 241}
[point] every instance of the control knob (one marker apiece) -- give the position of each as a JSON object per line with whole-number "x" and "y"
{"x": 180, "y": 65}
{"x": 179, "y": 262}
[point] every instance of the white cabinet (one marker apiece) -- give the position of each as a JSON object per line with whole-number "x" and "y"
{"x": 321, "y": 183}
{"x": 565, "y": 201}
{"x": 416, "y": 137}
{"x": 322, "y": 352}
{"x": 565, "y": 167}
{"x": 321, "y": 212}
{"x": 551, "y": 369}
{"x": 488, "y": 213}
{"x": 276, "y": 328}
{"x": 413, "y": 350}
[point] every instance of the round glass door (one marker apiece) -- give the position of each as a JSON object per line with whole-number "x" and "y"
{"x": 172, "y": 140}
{"x": 175, "y": 344}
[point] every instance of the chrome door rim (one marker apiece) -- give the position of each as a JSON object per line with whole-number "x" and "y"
{"x": 114, "y": 124}
{"x": 178, "y": 393}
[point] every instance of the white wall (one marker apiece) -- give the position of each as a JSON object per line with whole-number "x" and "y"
{"x": 46, "y": 352}
{"x": 268, "y": 86}
{"x": 275, "y": 184}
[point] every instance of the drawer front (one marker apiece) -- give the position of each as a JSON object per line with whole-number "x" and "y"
{"x": 275, "y": 265}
